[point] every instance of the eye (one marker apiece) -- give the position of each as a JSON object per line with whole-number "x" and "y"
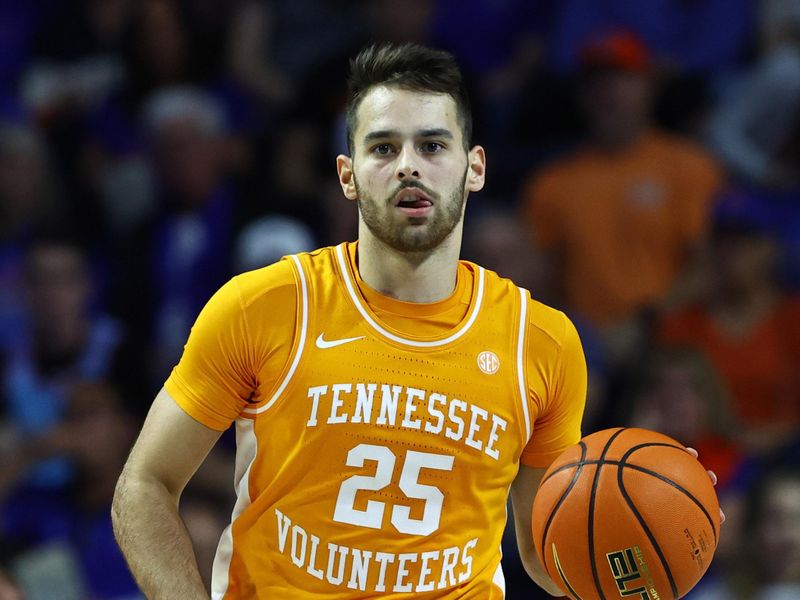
{"x": 382, "y": 149}
{"x": 431, "y": 147}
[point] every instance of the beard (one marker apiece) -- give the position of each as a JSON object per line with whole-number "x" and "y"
{"x": 413, "y": 234}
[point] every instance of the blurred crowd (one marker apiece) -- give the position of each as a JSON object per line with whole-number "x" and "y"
{"x": 644, "y": 177}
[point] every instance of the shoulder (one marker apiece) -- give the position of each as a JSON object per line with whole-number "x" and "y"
{"x": 550, "y": 326}
{"x": 277, "y": 286}
{"x": 681, "y": 152}
{"x": 499, "y": 291}
{"x": 255, "y": 286}
{"x": 284, "y": 275}
{"x": 543, "y": 320}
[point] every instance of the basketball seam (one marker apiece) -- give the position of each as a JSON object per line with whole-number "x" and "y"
{"x": 647, "y": 531}
{"x": 580, "y": 464}
{"x": 666, "y": 480}
{"x": 561, "y": 500}
{"x": 624, "y": 463}
{"x": 603, "y": 461}
{"x": 678, "y": 487}
{"x": 595, "y": 574}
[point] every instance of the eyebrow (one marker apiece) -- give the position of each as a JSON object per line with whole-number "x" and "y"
{"x": 443, "y": 133}
{"x": 383, "y": 134}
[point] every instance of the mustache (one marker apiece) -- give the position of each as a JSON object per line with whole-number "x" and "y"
{"x": 414, "y": 184}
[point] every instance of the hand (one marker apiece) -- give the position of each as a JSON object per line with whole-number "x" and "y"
{"x": 713, "y": 477}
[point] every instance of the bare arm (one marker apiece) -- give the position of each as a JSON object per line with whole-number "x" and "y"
{"x": 523, "y": 491}
{"x": 145, "y": 515}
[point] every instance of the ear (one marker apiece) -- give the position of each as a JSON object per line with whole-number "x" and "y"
{"x": 476, "y": 172}
{"x": 344, "y": 166}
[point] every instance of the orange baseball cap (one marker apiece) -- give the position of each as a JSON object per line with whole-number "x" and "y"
{"x": 623, "y": 50}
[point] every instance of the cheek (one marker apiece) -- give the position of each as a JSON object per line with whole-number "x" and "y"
{"x": 371, "y": 173}
{"x": 444, "y": 175}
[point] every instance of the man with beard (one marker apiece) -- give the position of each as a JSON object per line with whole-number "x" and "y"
{"x": 386, "y": 395}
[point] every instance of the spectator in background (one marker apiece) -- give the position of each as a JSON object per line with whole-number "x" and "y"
{"x": 512, "y": 52}
{"x": 157, "y": 51}
{"x": 695, "y": 43}
{"x": 775, "y": 528}
{"x": 289, "y": 182}
{"x": 65, "y": 341}
{"x": 184, "y": 253}
{"x": 694, "y": 36}
{"x": 764, "y": 563}
{"x": 25, "y": 201}
{"x": 96, "y": 435}
{"x": 160, "y": 51}
{"x": 512, "y": 36}
{"x": 751, "y": 331}
{"x": 265, "y": 55}
{"x": 756, "y": 131}
{"x": 264, "y": 241}
{"x": 500, "y": 241}
{"x": 756, "y": 128}
{"x": 621, "y": 217}
{"x": 76, "y": 65}
{"x": 769, "y": 553}
{"x": 679, "y": 393}
{"x": 154, "y": 51}
{"x": 76, "y": 58}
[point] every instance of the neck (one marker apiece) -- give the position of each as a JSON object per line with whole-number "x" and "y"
{"x": 409, "y": 276}
{"x": 620, "y": 139}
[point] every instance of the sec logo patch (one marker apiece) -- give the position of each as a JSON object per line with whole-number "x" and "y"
{"x": 488, "y": 362}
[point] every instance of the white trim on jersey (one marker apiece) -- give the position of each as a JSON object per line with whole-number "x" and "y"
{"x": 343, "y": 267}
{"x": 300, "y": 345}
{"x": 499, "y": 579}
{"x": 246, "y": 450}
{"x": 523, "y": 388}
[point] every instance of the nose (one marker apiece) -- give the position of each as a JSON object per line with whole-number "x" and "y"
{"x": 407, "y": 164}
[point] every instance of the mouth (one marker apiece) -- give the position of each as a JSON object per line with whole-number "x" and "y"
{"x": 413, "y": 202}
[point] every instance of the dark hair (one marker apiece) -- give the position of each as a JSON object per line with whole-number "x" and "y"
{"x": 411, "y": 67}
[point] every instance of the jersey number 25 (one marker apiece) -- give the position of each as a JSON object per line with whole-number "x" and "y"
{"x": 372, "y": 516}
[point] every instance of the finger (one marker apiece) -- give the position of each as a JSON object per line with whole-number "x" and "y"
{"x": 721, "y": 517}
{"x": 693, "y": 452}
{"x": 713, "y": 477}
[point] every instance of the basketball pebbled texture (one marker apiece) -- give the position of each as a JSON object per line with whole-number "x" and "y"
{"x": 626, "y": 513}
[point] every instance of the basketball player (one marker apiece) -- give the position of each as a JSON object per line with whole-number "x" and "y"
{"x": 386, "y": 396}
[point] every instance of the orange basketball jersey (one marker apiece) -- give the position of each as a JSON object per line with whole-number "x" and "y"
{"x": 372, "y": 462}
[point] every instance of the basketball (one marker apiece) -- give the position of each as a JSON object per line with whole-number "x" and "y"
{"x": 626, "y": 513}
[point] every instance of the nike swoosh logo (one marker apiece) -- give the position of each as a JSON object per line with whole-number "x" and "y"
{"x": 323, "y": 343}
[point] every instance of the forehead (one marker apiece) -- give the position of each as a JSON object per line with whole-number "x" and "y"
{"x": 406, "y": 111}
